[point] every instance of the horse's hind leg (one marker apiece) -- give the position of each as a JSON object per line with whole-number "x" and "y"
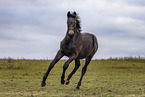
{"x": 77, "y": 65}
{"x": 56, "y": 59}
{"x": 83, "y": 71}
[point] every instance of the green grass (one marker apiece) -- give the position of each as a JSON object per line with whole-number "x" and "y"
{"x": 112, "y": 78}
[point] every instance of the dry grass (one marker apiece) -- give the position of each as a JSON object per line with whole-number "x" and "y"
{"x": 112, "y": 77}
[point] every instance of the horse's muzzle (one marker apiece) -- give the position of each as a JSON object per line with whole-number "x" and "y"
{"x": 71, "y": 33}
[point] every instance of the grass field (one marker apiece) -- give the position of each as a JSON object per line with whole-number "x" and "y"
{"x": 112, "y": 78}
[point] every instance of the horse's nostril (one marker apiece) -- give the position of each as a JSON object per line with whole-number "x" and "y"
{"x": 71, "y": 32}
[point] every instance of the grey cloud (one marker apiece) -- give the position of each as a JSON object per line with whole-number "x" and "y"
{"x": 38, "y": 26}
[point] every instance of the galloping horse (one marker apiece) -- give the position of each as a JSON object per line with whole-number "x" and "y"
{"x": 76, "y": 46}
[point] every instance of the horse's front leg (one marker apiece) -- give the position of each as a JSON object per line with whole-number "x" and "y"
{"x": 65, "y": 66}
{"x": 58, "y": 56}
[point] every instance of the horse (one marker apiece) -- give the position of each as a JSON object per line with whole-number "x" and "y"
{"x": 75, "y": 46}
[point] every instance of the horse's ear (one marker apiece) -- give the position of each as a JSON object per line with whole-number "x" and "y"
{"x": 68, "y": 14}
{"x": 75, "y": 13}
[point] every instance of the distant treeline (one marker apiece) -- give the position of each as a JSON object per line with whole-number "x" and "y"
{"x": 114, "y": 58}
{"x": 130, "y": 57}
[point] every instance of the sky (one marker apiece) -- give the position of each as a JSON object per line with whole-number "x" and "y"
{"x": 33, "y": 29}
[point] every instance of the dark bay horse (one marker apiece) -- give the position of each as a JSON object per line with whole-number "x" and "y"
{"x": 76, "y": 46}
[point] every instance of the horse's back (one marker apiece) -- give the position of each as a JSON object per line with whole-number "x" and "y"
{"x": 89, "y": 39}
{"x": 89, "y": 45}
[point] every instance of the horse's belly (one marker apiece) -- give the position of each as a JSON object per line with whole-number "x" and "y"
{"x": 85, "y": 52}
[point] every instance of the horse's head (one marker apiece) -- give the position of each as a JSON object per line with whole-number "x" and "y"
{"x": 71, "y": 23}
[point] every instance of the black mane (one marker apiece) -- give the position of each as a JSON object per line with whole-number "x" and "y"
{"x": 78, "y": 24}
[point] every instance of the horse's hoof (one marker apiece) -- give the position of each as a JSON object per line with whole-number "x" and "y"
{"x": 62, "y": 81}
{"x": 43, "y": 84}
{"x": 77, "y": 87}
{"x": 67, "y": 82}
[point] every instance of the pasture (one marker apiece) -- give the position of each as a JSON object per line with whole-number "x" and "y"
{"x": 111, "y": 77}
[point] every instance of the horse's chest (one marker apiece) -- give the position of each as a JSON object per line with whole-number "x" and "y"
{"x": 67, "y": 49}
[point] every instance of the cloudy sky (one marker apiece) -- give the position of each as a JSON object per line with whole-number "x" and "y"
{"x": 34, "y": 28}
